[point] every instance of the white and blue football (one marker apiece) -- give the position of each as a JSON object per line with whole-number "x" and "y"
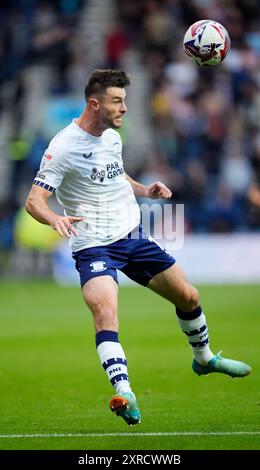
{"x": 207, "y": 42}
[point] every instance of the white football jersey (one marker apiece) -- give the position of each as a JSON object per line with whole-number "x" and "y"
{"x": 88, "y": 175}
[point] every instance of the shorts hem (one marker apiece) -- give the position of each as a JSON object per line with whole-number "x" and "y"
{"x": 169, "y": 265}
{"x": 82, "y": 283}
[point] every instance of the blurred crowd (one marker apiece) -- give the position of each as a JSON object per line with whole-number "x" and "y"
{"x": 33, "y": 33}
{"x": 204, "y": 121}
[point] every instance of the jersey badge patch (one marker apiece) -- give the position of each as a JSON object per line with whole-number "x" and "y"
{"x": 98, "y": 266}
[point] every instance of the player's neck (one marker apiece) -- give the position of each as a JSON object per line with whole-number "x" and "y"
{"x": 90, "y": 124}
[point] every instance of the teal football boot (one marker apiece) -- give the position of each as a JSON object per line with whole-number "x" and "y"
{"x": 222, "y": 365}
{"x": 125, "y": 405}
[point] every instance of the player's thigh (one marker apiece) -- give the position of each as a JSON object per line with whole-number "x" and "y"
{"x": 101, "y": 295}
{"x": 173, "y": 285}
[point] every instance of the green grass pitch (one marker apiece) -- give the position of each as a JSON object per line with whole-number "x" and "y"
{"x": 52, "y": 381}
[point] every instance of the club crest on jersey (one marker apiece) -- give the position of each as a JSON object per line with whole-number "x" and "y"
{"x": 98, "y": 266}
{"x": 117, "y": 147}
{"x": 97, "y": 175}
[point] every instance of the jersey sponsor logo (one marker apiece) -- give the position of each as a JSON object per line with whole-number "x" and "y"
{"x": 48, "y": 156}
{"x": 98, "y": 266}
{"x": 97, "y": 175}
{"x": 113, "y": 170}
{"x": 40, "y": 175}
{"x": 87, "y": 155}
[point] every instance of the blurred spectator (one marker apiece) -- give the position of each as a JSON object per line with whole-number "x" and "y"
{"x": 18, "y": 153}
{"x": 7, "y": 223}
{"x": 182, "y": 75}
{"x": 117, "y": 43}
{"x": 254, "y": 190}
{"x": 158, "y": 26}
{"x": 225, "y": 212}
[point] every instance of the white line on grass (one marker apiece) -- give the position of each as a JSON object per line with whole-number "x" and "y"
{"x": 132, "y": 434}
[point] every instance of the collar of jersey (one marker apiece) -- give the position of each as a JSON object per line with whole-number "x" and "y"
{"x": 85, "y": 133}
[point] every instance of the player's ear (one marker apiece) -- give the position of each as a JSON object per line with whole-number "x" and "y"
{"x": 94, "y": 104}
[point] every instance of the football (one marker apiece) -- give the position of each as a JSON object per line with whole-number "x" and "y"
{"x": 207, "y": 42}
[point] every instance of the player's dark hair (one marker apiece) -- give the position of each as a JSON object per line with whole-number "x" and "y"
{"x": 100, "y": 80}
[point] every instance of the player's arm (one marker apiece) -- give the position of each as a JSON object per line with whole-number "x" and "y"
{"x": 37, "y": 206}
{"x": 154, "y": 191}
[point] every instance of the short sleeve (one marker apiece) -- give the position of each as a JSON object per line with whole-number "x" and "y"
{"x": 54, "y": 165}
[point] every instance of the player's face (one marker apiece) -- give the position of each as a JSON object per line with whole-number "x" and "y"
{"x": 112, "y": 107}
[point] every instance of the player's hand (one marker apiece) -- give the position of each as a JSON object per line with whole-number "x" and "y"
{"x": 64, "y": 225}
{"x": 158, "y": 190}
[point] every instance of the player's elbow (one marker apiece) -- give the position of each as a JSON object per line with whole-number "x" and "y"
{"x": 29, "y": 205}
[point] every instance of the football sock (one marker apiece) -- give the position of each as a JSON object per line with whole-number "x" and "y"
{"x": 113, "y": 360}
{"x": 193, "y": 324}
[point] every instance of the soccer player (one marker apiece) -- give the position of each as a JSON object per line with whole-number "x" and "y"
{"x": 84, "y": 165}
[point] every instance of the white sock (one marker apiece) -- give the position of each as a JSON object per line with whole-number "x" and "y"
{"x": 113, "y": 360}
{"x": 193, "y": 324}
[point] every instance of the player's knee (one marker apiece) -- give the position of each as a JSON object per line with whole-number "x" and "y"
{"x": 105, "y": 317}
{"x": 190, "y": 299}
